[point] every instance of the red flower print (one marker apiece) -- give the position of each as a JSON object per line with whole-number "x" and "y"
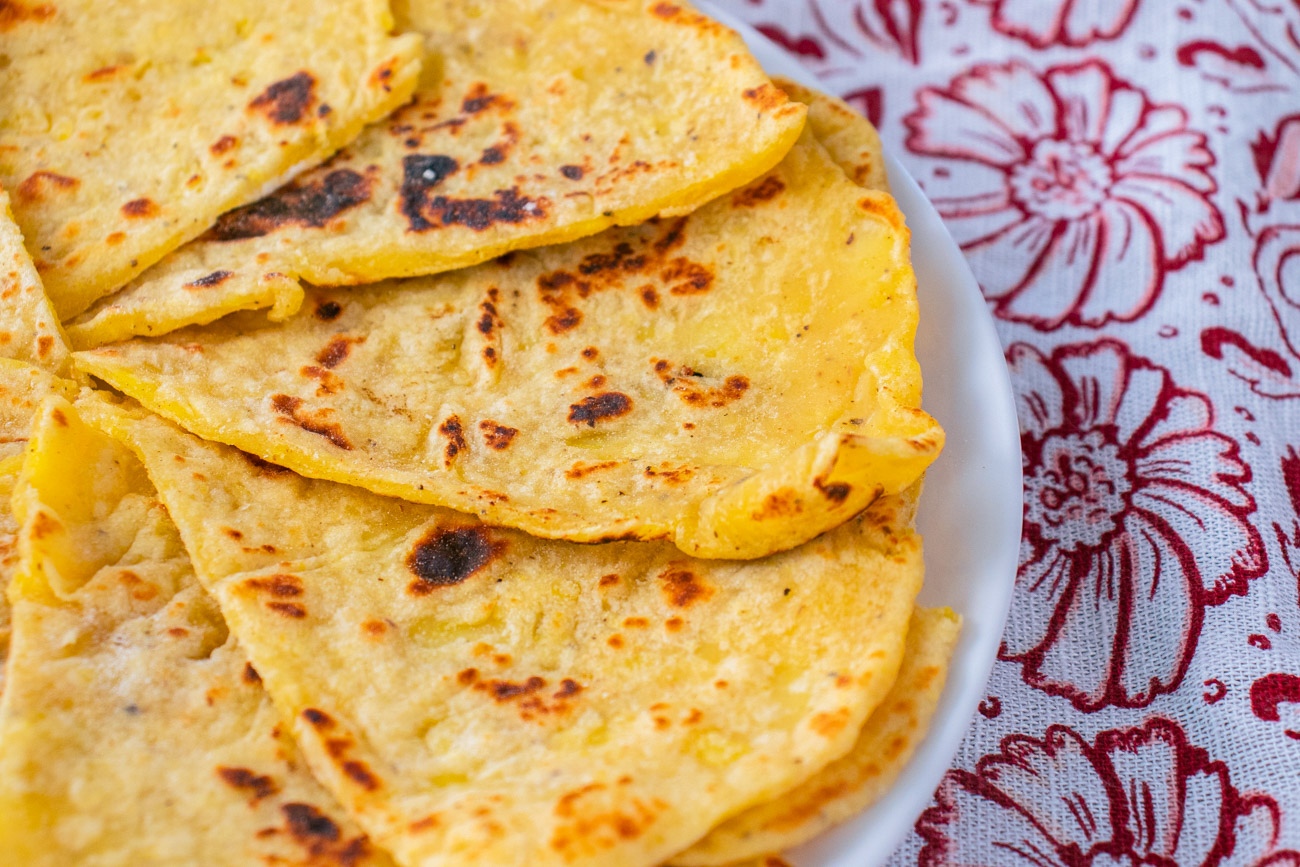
{"x": 849, "y": 32}
{"x": 1138, "y": 796}
{"x": 1277, "y": 157}
{"x": 1135, "y": 521}
{"x": 1265, "y": 370}
{"x": 1078, "y": 194}
{"x": 869, "y": 101}
{"x": 1068, "y": 22}
{"x": 804, "y": 46}
{"x": 1275, "y": 26}
{"x": 1270, "y": 694}
{"x": 1277, "y": 264}
{"x": 1268, "y": 361}
{"x": 891, "y": 25}
{"x": 1239, "y": 68}
{"x": 1288, "y": 539}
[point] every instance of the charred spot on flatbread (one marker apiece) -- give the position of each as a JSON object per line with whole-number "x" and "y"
{"x": 600, "y": 407}
{"x": 287, "y": 101}
{"x": 304, "y": 203}
{"x": 444, "y": 557}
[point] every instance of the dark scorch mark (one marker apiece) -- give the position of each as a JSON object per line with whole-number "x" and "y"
{"x": 256, "y": 786}
{"x": 598, "y": 407}
{"x": 497, "y": 436}
{"x": 286, "y": 101}
{"x": 310, "y": 203}
{"x": 306, "y": 822}
{"x": 310, "y": 422}
{"x": 207, "y": 281}
{"x": 424, "y": 212}
{"x": 337, "y": 350}
{"x": 454, "y": 431}
{"x": 446, "y": 557}
{"x": 328, "y": 311}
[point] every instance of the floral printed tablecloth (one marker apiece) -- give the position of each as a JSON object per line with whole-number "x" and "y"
{"x": 1124, "y": 178}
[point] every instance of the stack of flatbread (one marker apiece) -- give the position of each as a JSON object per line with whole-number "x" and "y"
{"x": 459, "y": 433}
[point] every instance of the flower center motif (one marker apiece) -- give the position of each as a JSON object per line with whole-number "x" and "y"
{"x": 1109, "y": 859}
{"x": 1062, "y": 180}
{"x": 1079, "y": 490}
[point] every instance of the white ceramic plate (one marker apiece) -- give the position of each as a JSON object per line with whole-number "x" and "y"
{"x": 970, "y": 512}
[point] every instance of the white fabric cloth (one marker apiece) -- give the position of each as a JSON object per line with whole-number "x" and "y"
{"x": 1124, "y": 177}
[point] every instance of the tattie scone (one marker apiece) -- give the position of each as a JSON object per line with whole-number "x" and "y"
{"x": 29, "y": 328}
{"x": 133, "y": 730}
{"x": 34, "y": 363}
{"x": 130, "y": 126}
{"x": 574, "y": 704}
{"x": 855, "y": 781}
{"x": 708, "y": 379}
{"x": 22, "y": 390}
{"x": 535, "y": 122}
{"x": 458, "y": 433}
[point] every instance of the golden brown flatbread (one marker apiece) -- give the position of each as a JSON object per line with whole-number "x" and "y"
{"x": 134, "y": 731}
{"x": 479, "y": 696}
{"x": 856, "y": 780}
{"x": 848, "y": 137}
{"x": 22, "y": 389}
{"x": 29, "y": 330}
{"x": 33, "y": 359}
{"x": 536, "y": 122}
{"x": 708, "y": 379}
{"x": 129, "y": 127}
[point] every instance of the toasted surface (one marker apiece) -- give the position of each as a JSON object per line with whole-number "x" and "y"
{"x": 134, "y": 731}
{"x": 576, "y": 704}
{"x": 848, "y": 137}
{"x": 536, "y": 122}
{"x": 853, "y": 782}
{"x": 195, "y": 296}
{"x": 22, "y": 389}
{"x": 700, "y": 379}
{"x": 9, "y": 469}
{"x": 29, "y": 330}
{"x": 130, "y": 127}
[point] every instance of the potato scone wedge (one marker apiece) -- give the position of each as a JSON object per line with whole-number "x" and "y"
{"x": 848, "y": 137}
{"x": 22, "y": 389}
{"x": 34, "y": 362}
{"x": 134, "y": 731}
{"x": 9, "y": 469}
{"x": 737, "y": 380}
{"x": 853, "y": 782}
{"x": 129, "y": 127}
{"x": 536, "y": 122}
{"x": 29, "y": 330}
{"x": 479, "y": 696}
